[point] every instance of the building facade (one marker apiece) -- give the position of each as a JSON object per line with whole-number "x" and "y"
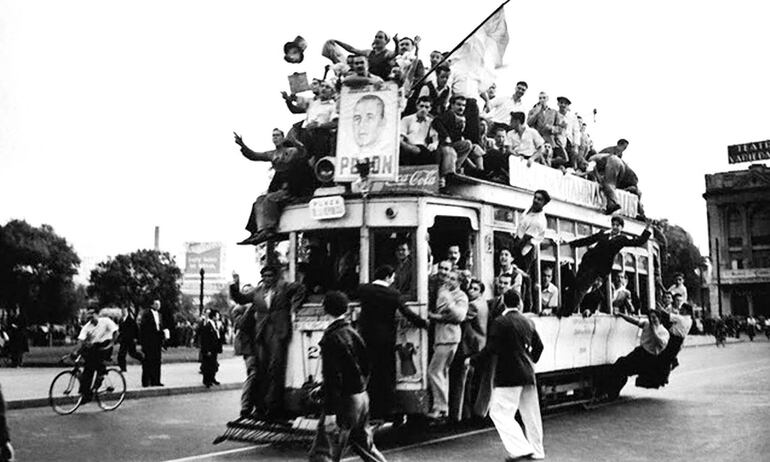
{"x": 738, "y": 207}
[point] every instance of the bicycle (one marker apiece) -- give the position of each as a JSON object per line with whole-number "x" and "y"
{"x": 108, "y": 388}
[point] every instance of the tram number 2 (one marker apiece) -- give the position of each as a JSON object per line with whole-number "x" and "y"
{"x": 313, "y": 352}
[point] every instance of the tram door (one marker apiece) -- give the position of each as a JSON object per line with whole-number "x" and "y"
{"x": 453, "y": 238}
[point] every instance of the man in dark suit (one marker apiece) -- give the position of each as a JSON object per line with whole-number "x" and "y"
{"x": 127, "y": 333}
{"x": 514, "y": 341}
{"x": 151, "y": 336}
{"x": 346, "y": 371}
{"x": 245, "y": 344}
{"x": 274, "y": 301}
{"x": 377, "y": 324}
{"x": 211, "y": 346}
{"x": 597, "y": 261}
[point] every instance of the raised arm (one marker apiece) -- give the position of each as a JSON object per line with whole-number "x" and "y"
{"x": 586, "y": 241}
{"x": 239, "y": 297}
{"x": 266, "y": 156}
{"x": 639, "y": 240}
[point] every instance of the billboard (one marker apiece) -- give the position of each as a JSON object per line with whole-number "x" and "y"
{"x": 748, "y": 152}
{"x": 206, "y": 255}
{"x": 368, "y": 130}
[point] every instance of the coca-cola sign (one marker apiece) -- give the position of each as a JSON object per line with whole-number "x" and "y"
{"x": 420, "y": 178}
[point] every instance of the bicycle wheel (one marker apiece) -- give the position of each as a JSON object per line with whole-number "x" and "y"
{"x": 64, "y": 395}
{"x": 112, "y": 390}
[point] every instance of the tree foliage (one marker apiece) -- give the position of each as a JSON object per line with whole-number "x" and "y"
{"x": 680, "y": 255}
{"x": 36, "y": 270}
{"x": 136, "y": 279}
{"x": 220, "y": 301}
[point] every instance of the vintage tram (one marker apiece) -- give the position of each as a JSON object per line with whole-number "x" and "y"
{"x": 335, "y": 239}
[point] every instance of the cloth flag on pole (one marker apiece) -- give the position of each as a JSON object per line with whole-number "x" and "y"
{"x": 483, "y": 52}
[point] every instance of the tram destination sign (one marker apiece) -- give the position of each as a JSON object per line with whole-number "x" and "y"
{"x": 327, "y": 208}
{"x": 749, "y": 152}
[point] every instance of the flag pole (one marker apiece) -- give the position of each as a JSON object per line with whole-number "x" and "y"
{"x": 462, "y": 42}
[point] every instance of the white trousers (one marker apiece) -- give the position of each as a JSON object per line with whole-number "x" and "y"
{"x": 438, "y": 375}
{"x": 503, "y": 405}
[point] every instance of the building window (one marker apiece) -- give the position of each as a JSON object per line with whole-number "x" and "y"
{"x": 760, "y": 227}
{"x": 734, "y": 229}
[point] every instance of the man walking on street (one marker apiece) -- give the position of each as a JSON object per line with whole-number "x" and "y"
{"x": 127, "y": 333}
{"x": 346, "y": 372}
{"x": 151, "y": 337}
{"x": 513, "y": 338}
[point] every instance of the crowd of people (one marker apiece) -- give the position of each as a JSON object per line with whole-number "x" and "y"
{"x": 448, "y": 119}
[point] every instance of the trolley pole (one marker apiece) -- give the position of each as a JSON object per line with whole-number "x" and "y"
{"x": 200, "y": 308}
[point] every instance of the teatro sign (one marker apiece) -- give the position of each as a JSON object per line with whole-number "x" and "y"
{"x": 749, "y": 152}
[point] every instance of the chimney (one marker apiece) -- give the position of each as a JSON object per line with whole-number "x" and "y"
{"x": 157, "y": 238}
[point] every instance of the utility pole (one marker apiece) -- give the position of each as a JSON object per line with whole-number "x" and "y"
{"x": 200, "y": 309}
{"x": 719, "y": 277}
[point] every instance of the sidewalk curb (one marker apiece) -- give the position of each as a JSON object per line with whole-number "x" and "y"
{"x": 134, "y": 394}
{"x": 713, "y": 343}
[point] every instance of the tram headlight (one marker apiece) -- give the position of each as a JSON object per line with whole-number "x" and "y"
{"x": 391, "y": 212}
{"x": 324, "y": 169}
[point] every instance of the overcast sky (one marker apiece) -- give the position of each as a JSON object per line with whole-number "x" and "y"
{"x": 116, "y": 117}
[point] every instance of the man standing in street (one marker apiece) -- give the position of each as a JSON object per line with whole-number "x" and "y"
{"x": 127, "y": 333}
{"x": 274, "y": 300}
{"x": 346, "y": 371}
{"x": 151, "y": 337}
{"x": 516, "y": 343}
{"x": 405, "y": 282}
{"x": 377, "y": 325}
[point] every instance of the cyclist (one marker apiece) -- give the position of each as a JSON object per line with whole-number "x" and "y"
{"x": 96, "y": 339}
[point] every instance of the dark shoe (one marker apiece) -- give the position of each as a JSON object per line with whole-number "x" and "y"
{"x": 158, "y": 385}
{"x": 207, "y": 385}
{"x": 259, "y": 237}
{"x": 612, "y": 208}
{"x": 520, "y": 458}
{"x": 216, "y": 382}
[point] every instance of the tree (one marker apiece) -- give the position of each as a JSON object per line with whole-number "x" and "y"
{"x": 220, "y": 301}
{"x": 680, "y": 255}
{"x": 136, "y": 279}
{"x": 36, "y": 270}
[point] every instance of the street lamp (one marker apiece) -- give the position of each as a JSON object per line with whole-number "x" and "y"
{"x": 200, "y": 309}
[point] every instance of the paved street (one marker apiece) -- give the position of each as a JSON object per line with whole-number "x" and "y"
{"x": 716, "y": 408}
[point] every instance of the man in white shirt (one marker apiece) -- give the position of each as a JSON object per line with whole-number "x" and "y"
{"x": 498, "y": 110}
{"x": 524, "y": 141}
{"x": 96, "y": 337}
{"x": 530, "y": 231}
{"x": 550, "y": 293}
{"x": 418, "y": 140}
{"x": 678, "y": 287}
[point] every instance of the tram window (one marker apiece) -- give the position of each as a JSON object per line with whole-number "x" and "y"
{"x": 644, "y": 297}
{"x": 551, "y": 222}
{"x": 583, "y": 229}
{"x": 566, "y": 226}
{"x": 617, "y": 264}
{"x": 643, "y": 261}
{"x": 550, "y": 291}
{"x": 548, "y": 250}
{"x": 328, "y": 260}
{"x": 448, "y": 232}
{"x": 396, "y": 247}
